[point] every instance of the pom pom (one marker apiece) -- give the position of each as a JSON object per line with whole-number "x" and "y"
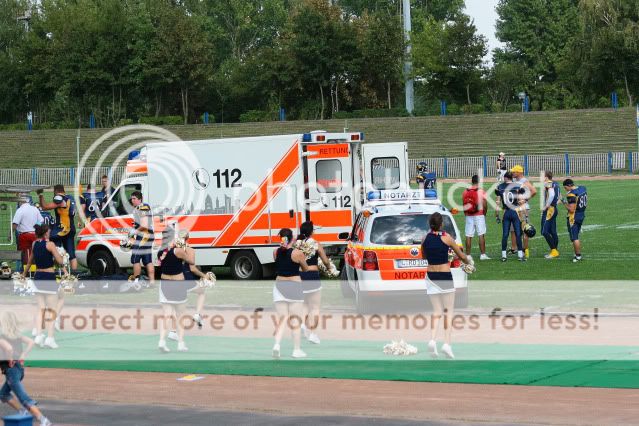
{"x": 400, "y": 348}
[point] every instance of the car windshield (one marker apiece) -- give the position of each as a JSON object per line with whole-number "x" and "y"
{"x": 405, "y": 229}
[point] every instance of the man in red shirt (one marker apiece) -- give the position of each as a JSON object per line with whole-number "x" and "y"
{"x": 475, "y": 207}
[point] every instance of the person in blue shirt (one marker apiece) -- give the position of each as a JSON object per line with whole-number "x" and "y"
{"x": 576, "y": 203}
{"x": 549, "y": 215}
{"x": 509, "y": 198}
{"x": 92, "y": 203}
{"x": 425, "y": 178}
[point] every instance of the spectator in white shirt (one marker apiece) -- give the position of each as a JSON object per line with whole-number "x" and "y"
{"x": 26, "y": 217}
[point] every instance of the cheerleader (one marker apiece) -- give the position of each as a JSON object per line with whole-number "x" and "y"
{"x": 43, "y": 254}
{"x": 174, "y": 287}
{"x": 288, "y": 293}
{"x": 311, "y": 283}
{"x": 439, "y": 281}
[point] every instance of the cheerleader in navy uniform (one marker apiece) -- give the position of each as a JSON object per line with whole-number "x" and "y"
{"x": 439, "y": 281}
{"x": 311, "y": 283}
{"x": 44, "y": 254}
{"x": 288, "y": 292}
{"x": 174, "y": 287}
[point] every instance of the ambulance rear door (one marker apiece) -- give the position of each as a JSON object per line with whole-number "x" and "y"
{"x": 385, "y": 166}
{"x": 329, "y": 194}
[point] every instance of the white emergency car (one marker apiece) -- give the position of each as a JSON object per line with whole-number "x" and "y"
{"x": 384, "y": 257}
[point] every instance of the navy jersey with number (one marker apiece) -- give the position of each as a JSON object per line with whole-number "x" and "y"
{"x": 427, "y": 180}
{"x": 555, "y": 198}
{"x": 48, "y": 219}
{"x": 141, "y": 212}
{"x": 92, "y": 203}
{"x": 579, "y": 197}
{"x": 509, "y": 193}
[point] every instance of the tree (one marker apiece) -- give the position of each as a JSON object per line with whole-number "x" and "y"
{"x": 448, "y": 57}
{"x": 323, "y": 47}
{"x": 504, "y": 81}
{"x": 608, "y": 47}
{"x": 382, "y": 46}
{"x": 536, "y": 34}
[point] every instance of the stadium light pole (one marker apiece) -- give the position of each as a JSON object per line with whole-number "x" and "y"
{"x": 408, "y": 66}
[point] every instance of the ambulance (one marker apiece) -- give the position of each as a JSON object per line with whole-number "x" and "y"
{"x": 384, "y": 258}
{"x": 234, "y": 195}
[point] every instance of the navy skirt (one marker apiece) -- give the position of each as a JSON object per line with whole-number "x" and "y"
{"x": 311, "y": 281}
{"x": 45, "y": 283}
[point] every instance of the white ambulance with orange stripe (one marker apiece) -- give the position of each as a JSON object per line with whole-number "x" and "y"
{"x": 384, "y": 257}
{"x": 234, "y": 195}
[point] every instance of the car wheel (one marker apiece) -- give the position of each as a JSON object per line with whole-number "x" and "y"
{"x": 102, "y": 263}
{"x": 347, "y": 291}
{"x": 245, "y": 266}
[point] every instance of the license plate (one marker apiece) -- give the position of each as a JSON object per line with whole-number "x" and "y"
{"x": 412, "y": 263}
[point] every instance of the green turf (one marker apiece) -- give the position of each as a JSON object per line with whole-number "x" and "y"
{"x": 610, "y": 239}
{"x": 552, "y": 365}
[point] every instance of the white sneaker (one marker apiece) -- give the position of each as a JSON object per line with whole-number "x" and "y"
{"x": 56, "y": 324}
{"x": 45, "y": 422}
{"x": 39, "y": 340}
{"x": 484, "y": 257}
{"x": 162, "y": 347}
{"x": 50, "y": 343}
{"x": 276, "y": 351}
{"x": 448, "y": 351}
{"x": 197, "y": 318}
{"x": 314, "y": 338}
{"x": 182, "y": 347}
{"x": 172, "y": 335}
{"x": 305, "y": 331}
{"x": 298, "y": 353}
{"x": 432, "y": 349}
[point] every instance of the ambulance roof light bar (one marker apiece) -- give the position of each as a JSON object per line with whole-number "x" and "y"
{"x": 410, "y": 195}
{"x": 323, "y": 136}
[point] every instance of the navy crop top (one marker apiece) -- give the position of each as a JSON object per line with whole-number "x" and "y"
{"x": 434, "y": 249}
{"x": 171, "y": 264}
{"x": 42, "y": 257}
{"x": 285, "y": 265}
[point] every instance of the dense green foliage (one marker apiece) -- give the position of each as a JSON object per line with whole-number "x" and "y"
{"x": 130, "y": 61}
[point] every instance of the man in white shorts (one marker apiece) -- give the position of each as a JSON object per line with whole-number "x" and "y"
{"x": 475, "y": 208}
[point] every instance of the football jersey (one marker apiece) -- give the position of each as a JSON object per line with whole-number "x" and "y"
{"x": 509, "y": 193}
{"x": 427, "y": 180}
{"x": 65, "y": 216}
{"x": 555, "y": 198}
{"x": 579, "y": 197}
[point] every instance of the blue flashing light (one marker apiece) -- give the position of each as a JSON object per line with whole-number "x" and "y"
{"x": 134, "y": 154}
{"x": 430, "y": 193}
{"x": 373, "y": 195}
{"x": 307, "y": 137}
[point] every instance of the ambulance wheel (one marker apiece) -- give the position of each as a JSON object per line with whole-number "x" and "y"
{"x": 362, "y": 302}
{"x": 245, "y": 266}
{"x": 102, "y": 263}
{"x": 347, "y": 291}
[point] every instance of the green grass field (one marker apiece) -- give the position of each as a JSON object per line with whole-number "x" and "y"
{"x": 610, "y": 241}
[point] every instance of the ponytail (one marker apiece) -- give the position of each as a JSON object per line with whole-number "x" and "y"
{"x": 41, "y": 230}
{"x": 306, "y": 230}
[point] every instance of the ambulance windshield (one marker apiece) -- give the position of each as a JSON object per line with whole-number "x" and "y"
{"x": 405, "y": 229}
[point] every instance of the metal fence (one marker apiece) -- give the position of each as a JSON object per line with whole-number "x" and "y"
{"x": 453, "y": 167}
{"x": 559, "y": 164}
{"x": 61, "y": 175}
